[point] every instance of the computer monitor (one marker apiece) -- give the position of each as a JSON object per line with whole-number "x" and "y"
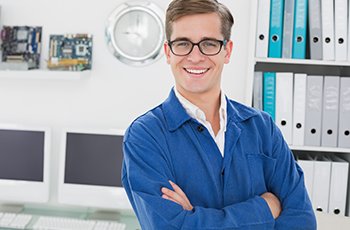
{"x": 24, "y": 164}
{"x": 90, "y": 169}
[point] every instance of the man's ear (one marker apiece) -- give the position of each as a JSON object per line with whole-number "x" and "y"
{"x": 228, "y": 49}
{"x": 167, "y": 52}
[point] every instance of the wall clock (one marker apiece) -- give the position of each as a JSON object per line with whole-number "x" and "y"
{"x": 135, "y": 32}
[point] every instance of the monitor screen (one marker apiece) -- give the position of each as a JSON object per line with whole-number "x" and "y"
{"x": 93, "y": 159}
{"x": 91, "y": 169}
{"x": 24, "y": 159}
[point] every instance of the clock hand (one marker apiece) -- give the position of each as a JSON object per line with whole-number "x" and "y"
{"x": 138, "y": 22}
{"x": 131, "y": 33}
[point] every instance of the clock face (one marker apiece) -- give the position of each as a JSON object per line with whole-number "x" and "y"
{"x": 135, "y": 33}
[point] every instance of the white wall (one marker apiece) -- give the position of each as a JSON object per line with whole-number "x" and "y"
{"x": 114, "y": 93}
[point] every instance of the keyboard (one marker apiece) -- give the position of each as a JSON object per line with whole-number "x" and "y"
{"x": 64, "y": 223}
{"x": 14, "y": 220}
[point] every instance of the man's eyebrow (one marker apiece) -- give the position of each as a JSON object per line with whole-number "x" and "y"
{"x": 187, "y": 39}
{"x": 181, "y": 39}
{"x": 209, "y": 38}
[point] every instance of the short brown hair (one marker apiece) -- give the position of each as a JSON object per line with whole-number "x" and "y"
{"x": 180, "y": 8}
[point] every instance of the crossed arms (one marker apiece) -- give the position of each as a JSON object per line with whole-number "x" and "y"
{"x": 159, "y": 204}
{"x": 178, "y": 196}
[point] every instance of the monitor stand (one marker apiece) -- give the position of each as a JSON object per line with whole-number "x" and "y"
{"x": 14, "y": 208}
{"x": 104, "y": 215}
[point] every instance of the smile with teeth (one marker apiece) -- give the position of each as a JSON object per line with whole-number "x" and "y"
{"x": 196, "y": 71}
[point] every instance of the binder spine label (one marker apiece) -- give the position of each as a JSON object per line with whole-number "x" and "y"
{"x": 315, "y": 29}
{"x": 276, "y": 28}
{"x": 269, "y": 93}
{"x": 299, "y": 41}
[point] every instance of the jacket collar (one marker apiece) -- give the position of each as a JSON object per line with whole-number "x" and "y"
{"x": 237, "y": 112}
{"x": 176, "y": 115}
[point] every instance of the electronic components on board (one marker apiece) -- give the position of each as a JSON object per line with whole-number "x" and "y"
{"x": 21, "y": 46}
{"x": 70, "y": 52}
{"x": 20, "y": 49}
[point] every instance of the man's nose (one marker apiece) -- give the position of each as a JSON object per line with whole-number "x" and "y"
{"x": 195, "y": 55}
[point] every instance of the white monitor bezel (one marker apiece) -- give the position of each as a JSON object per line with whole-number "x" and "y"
{"x": 21, "y": 191}
{"x": 92, "y": 196}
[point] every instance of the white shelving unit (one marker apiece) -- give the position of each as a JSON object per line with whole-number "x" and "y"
{"x": 302, "y": 62}
{"x": 43, "y": 75}
{"x": 319, "y": 149}
{"x": 311, "y": 67}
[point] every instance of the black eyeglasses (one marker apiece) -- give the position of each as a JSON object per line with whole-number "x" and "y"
{"x": 209, "y": 47}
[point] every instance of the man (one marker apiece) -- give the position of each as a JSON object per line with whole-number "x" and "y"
{"x": 200, "y": 160}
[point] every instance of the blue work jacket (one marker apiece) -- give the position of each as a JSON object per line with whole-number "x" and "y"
{"x": 167, "y": 144}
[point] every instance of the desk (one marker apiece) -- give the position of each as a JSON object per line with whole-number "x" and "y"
{"x": 324, "y": 221}
{"x": 131, "y": 222}
{"x": 127, "y": 217}
{"x": 327, "y": 222}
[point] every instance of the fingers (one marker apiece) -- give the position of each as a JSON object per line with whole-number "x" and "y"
{"x": 273, "y": 203}
{"x": 177, "y": 196}
{"x": 179, "y": 191}
{"x": 171, "y": 195}
{"x": 169, "y": 198}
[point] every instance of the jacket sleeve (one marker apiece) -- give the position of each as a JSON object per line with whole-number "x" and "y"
{"x": 287, "y": 183}
{"x": 146, "y": 170}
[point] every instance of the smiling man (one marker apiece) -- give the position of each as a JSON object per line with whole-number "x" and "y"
{"x": 200, "y": 160}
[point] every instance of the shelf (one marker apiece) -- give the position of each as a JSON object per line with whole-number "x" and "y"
{"x": 312, "y": 67}
{"x": 320, "y": 149}
{"x": 43, "y": 75}
{"x": 301, "y": 62}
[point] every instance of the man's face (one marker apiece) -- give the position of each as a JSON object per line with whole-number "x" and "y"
{"x": 197, "y": 73}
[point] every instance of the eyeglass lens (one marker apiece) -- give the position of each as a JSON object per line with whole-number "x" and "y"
{"x": 207, "y": 47}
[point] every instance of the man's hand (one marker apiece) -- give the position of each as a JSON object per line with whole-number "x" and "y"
{"x": 274, "y": 204}
{"x": 177, "y": 196}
